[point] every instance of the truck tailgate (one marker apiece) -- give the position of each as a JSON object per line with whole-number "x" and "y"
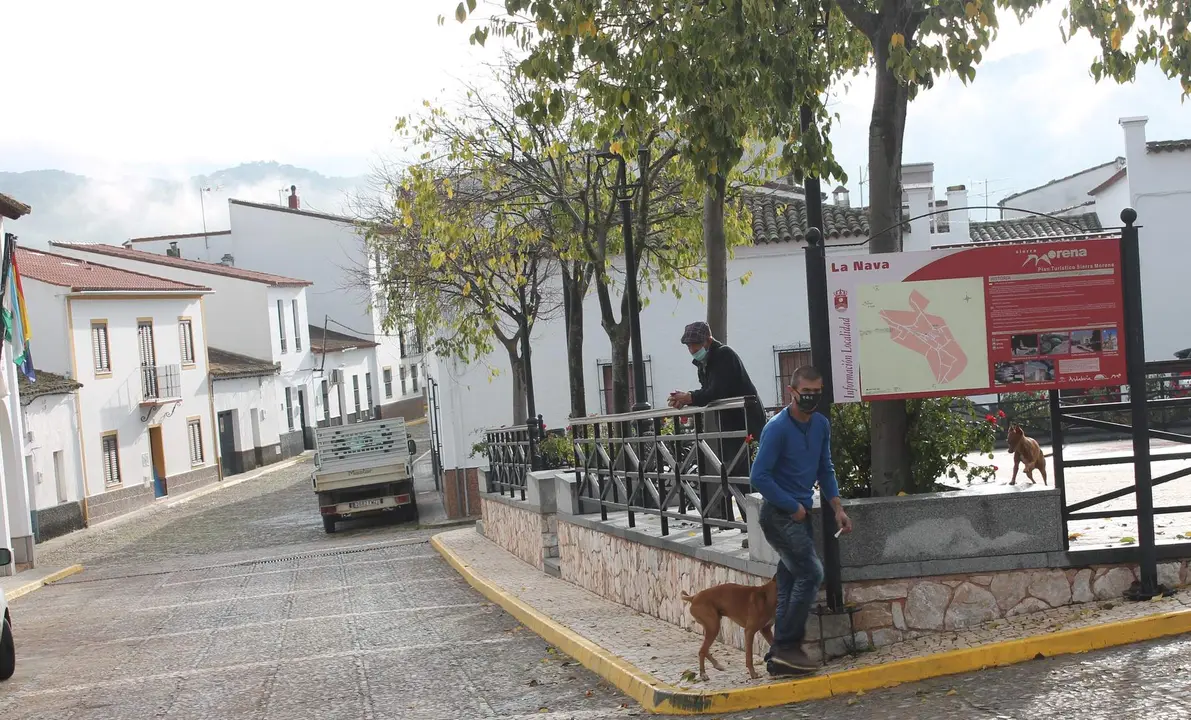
{"x": 328, "y": 481}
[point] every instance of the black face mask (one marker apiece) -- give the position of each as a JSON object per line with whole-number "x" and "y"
{"x": 807, "y": 402}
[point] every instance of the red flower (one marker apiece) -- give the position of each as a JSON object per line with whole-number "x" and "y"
{"x": 1000, "y": 413}
{"x": 995, "y": 468}
{"x": 991, "y": 418}
{"x": 749, "y": 439}
{"x": 682, "y": 419}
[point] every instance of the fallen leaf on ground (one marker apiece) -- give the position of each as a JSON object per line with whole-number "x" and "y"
{"x": 852, "y": 701}
{"x": 1127, "y": 540}
{"x": 1074, "y": 536}
{"x": 953, "y": 691}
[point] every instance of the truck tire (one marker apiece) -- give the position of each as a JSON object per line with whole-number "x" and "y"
{"x": 8, "y": 651}
{"x": 329, "y": 523}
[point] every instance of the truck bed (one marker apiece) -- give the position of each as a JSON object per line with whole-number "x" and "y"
{"x": 361, "y": 450}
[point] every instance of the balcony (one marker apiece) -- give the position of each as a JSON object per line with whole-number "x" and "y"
{"x": 161, "y": 384}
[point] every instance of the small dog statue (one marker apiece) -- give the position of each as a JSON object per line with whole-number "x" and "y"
{"x": 1025, "y": 451}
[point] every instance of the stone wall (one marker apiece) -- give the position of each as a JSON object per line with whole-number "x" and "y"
{"x": 59, "y": 520}
{"x": 193, "y": 480}
{"x": 114, "y": 503}
{"x": 650, "y": 580}
{"x": 523, "y": 531}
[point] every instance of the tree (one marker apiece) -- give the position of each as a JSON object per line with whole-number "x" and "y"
{"x": 704, "y": 71}
{"x": 912, "y": 42}
{"x": 453, "y": 258}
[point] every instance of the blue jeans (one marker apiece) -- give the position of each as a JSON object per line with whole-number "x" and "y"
{"x": 799, "y": 574}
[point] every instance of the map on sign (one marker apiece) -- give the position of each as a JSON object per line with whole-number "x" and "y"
{"x": 922, "y": 337}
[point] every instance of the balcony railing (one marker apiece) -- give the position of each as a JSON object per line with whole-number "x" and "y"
{"x": 161, "y": 384}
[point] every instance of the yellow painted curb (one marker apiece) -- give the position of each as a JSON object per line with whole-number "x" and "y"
{"x": 665, "y": 699}
{"x": 37, "y": 584}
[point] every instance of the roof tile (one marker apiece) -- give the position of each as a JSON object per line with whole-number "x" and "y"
{"x": 83, "y": 275}
{"x": 226, "y": 365}
{"x": 1156, "y": 146}
{"x": 185, "y": 264}
{"x": 779, "y": 219}
{"x": 324, "y": 341}
{"x": 1031, "y": 228}
{"x": 47, "y": 383}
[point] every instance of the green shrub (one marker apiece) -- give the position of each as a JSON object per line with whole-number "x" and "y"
{"x": 943, "y": 431}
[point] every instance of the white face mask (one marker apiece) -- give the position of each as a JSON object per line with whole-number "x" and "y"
{"x": 699, "y": 355}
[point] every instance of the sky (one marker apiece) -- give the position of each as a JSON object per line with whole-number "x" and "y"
{"x": 153, "y": 89}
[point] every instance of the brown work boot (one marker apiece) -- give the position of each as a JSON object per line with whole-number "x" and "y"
{"x": 795, "y": 659}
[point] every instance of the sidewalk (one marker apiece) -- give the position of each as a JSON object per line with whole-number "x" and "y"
{"x": 26, "y": 582}
{"x": 656, "y": 663}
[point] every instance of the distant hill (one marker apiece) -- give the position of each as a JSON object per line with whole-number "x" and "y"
{"x": 77, "y": 208}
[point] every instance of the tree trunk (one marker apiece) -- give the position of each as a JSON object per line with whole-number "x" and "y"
{"x": 716, "y": 246}
{"x": 519, "y": 404}
{"x": 572, "y": 289}
{"x": 621, "y": 402}
{"x": 889, "y": 424}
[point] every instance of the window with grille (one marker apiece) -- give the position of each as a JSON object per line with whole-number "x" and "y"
{"x": 326, "y": 401}
{"x": 387, "y": 378}
{"x": 356, "y": 391}
{"x": 281, "y": 322}
{"x": 297, "y": 327}
{"x": 786, "y": 360}
{"x": 186, "y": 341}
{"x": 100, "y": 350}
{"x": 404, "y": 389}
{"x": 413, "y": 374}
{"x": 194, "y": 433}
{"x": 607, "y": 398}
{"x": 289, "y": 407}
{"x": 111, "y": 460}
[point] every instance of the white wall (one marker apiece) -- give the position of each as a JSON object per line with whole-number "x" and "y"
{"x": 1061, "y": 194}
{"x": 53, "y": 424}
{"x": 246, "y": 398}
{"x": 112, "y": 402}
{"x": 350, "y": 363}
{"x": 1160, "y": 192}
{"x": 1111, "y": 201}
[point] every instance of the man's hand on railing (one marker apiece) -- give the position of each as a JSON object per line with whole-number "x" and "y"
{"x": 679, "y": 399}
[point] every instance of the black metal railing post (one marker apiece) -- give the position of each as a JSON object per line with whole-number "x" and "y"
{"x": 1056, "y": 447}
{"x": 820, "y": 332}
{"x": 1139, "y": 410}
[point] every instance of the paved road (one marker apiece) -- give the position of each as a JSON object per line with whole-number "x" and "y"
{"x": 236, "y": 605}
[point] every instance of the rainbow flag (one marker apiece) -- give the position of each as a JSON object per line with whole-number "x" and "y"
{"x": 16, "y": 318}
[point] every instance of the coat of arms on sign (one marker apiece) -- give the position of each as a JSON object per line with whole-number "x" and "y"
{"x": 841, "y": 300}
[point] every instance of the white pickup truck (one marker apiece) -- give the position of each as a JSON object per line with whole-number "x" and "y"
{"x": 364, "y": 469}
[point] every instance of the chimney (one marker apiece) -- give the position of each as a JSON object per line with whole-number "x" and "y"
{"x": 173, "y": 250}
{"x": 1135, "y": 156}
{"x": 294, "y": 204}
{"x": 228, "y": 260}
{"x": 957, "y": 204}
{"x": 840, "y": 197}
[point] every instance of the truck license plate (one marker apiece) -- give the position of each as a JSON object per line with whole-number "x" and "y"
{"x": 357, "y": 504}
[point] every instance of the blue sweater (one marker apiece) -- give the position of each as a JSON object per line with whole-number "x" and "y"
{"x": 791, "y": 457}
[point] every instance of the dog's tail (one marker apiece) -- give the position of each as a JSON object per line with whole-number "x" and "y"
{"x": 687, "y": 598}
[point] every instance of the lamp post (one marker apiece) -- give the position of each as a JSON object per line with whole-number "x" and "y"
{"x": 624, "y": 194}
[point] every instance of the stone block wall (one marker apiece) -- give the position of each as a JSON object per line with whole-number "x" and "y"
{"x": 650, "y": 580}
{"x": 522, "y": 530}
{"x": 114, "y": 503}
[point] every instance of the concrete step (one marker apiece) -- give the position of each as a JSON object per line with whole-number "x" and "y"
{"x": 552, "y": 567}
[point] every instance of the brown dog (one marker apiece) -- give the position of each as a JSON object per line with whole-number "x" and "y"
{"x": 751, "y": 607}
{"x": 1025, "y": 451}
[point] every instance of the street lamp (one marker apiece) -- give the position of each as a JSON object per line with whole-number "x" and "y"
{"x": 624, "y": 194}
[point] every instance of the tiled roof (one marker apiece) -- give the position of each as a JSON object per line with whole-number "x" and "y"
{"x": 85, "y": 276}
{"x": 47, "y": 383}
{"x": 1168, "y": 145}
{"x": 182, "y": 236}
{"x": 282, "y": 208}
{"x": 1030, "y": 228}
{"x": 334, "y": 341}
{"x": 1065, "y": 177}
{"x": 11, "y": 208}
{"x": 780, "y": 219}
{"x": 227, "y": 365}
{"x": 184, "y": 264}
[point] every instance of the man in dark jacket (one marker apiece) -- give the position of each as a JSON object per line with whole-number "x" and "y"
{"x": 721, "y": 376}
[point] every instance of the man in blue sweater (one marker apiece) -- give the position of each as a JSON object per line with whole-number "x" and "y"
{"x": 794, "y": 453}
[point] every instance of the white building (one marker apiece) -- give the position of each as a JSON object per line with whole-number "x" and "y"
{"x": 326, "y": 250}
{"x": 16, "y": 519}
{"x": 259, "y": 316}
{"x": 348, "y": 390}
{"x": 248, "y": 428}
{"x": 53, "y": 455}
{"x": 138, "y": 345}
{"x": 772, "y": 343}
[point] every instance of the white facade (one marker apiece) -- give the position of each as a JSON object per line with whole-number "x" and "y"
{"x": 112, "y": 401}
{"x": 52, "y": 434}
{"x": 1061, "y": 194}
{"x": 324, "y": 249}
{"x": 251, "y": 402}
{"x": 16, "y": 520}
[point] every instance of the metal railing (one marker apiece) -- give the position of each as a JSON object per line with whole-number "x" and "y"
{"x": 161, "y": 383}
{"x": 510, "y": 459}
{"x": 673, "y": 464}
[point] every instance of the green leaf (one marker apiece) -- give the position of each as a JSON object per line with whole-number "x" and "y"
{"x": 460, "y": 13}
